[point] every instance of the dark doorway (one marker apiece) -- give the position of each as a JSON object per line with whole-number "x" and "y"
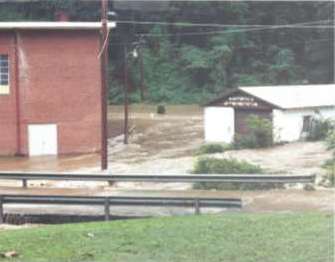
{"x": 242, "y": 115}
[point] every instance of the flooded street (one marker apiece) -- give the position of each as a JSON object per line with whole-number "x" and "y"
{"x": 50, "y": 163}
{"x": 253, "y": 201}
{"x": 165, "y": 144}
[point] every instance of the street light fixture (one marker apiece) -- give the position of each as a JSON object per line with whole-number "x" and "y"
{"x": 134, "y": 54}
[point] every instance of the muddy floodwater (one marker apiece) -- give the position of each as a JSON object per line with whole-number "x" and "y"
{"x": 165, "y": 144}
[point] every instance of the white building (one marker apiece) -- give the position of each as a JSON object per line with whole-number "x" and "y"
{"x": 290, "y": 108}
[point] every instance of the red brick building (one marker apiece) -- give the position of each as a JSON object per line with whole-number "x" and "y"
{"x": 50, "y": 88}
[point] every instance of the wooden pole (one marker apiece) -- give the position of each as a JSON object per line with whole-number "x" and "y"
{"x": 197, "y": 206}
{"x": 125, "y": 128}
{"x": 2, "y": 217}
{"x": 107, "y": 211}
{"x": 104, "y": 84}
{"x": 24, "y": 183}
{"x": 17, "y": 94}
{"x": 142, "y": 74}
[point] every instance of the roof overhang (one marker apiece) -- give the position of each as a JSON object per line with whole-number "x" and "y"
{"x": 238, "y": 90}
{"x": 54, "y": 25}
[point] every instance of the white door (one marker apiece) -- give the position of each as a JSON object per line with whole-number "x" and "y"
{"x": 42, "y": 139}
{"x": 219, "y": 124}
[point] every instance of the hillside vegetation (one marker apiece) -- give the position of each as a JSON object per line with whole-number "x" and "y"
{"x": 187, "y": 63}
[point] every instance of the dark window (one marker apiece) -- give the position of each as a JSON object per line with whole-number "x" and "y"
{"x": 4, "y": 70}
{"x": 307, "y": 120}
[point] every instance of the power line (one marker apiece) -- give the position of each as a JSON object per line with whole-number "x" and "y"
{"x": 187, "y": 24}
{"x": 242, "y": 28}
{"x": 178, "y": 45}
{"x": 264, "y": 27}
{"x": 225, "y": 31}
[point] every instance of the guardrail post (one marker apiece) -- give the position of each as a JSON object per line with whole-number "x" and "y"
{"x": 197, "y": 206}
{"x": 1, "y": 211}
{"x": 24, "y": 183}
{"x": 107, "y": 211}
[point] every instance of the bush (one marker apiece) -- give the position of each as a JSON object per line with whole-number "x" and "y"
{"x": 229, "y": 166}
{"x": 212, "y": 149}
{"x": 329, "y": 179}
{"x": 161, "y": 109}
{"x": 260, "y": 134}
{"x": 248, "y": 141}
{"x": 330, "y": 140}
{"x": 320, "y": 128}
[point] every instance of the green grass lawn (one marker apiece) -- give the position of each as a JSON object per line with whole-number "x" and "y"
{"x": 230, "y": 237}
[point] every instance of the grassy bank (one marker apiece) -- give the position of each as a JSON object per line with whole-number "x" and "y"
{"x": 231, "y": 237}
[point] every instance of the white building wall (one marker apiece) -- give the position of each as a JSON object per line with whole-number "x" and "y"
{"x": 288, "y": 123}
{"x": 219, "y": 124}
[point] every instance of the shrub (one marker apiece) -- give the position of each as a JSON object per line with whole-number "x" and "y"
{"x": 320, "y": 128}
{"x": 161, "y": 109}
{"x": 329, "y": 179}
{"x": 248, "y": 141}
{"x": 260, "y": 134}
{"x": 212, "y": 149}
{"x": 330, "y": 140}
{"x": 229, "y": 166}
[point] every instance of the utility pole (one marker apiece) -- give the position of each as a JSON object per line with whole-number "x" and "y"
{"x": 141, "y": 72}
{"x": 104, "y": 83}
{"x": 125, "y": 83}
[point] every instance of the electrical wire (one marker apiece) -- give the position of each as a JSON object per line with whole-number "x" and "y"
{"x": 232, "y": 31}
{"x": 104, "y": 44}
{"x": 186, "y": 24}
{"x": 264, "y": 27}
{"x": 177, "y": 45}
{"x": 243, "y": 28}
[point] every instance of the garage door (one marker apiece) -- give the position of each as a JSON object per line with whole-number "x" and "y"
{"x": 242, "y": 115}
{"x": 219, "y": 124}
{"x": 42, "y": 139}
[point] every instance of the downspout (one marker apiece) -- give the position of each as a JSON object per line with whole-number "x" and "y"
{"x": 17, "y": 93}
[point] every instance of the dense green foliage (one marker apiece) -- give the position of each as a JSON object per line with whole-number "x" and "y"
{"x": 224, "y": 166}
{"x": 331, "y": 140}
{"x": 212, "y": 148}
{"x": 320, "y": 129}
{"x": 329, "y": 165}
{"x": 161, "y": 109}
{"x": 207, "y": 165}
{"x": 187, "y": 64}
{"x": 239, "y": 237}
{"x": 259, "y": 135}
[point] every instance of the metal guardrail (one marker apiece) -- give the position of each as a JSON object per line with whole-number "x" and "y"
{"x": 108, "y": 201}
{"x": 188, "y": 178}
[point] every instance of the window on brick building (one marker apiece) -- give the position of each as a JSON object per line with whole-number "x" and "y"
{"x": 4, "y": 74}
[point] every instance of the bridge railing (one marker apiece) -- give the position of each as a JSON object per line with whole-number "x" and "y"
{"x": 171, "y": 178}
{"x": 108, "y": 201}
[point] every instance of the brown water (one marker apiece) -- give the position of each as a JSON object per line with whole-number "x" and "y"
{"x": 49, "y": 163}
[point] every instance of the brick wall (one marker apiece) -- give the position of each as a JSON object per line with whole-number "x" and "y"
{"x": 8, "y": 102}
{"x": 59, "y": 83}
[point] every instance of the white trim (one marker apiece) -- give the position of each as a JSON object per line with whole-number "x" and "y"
{"x": 54, "y": 25}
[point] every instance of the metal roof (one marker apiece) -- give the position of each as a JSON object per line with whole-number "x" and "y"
{"x": 295, "y": 96}
{"x": 53, "y": 25}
